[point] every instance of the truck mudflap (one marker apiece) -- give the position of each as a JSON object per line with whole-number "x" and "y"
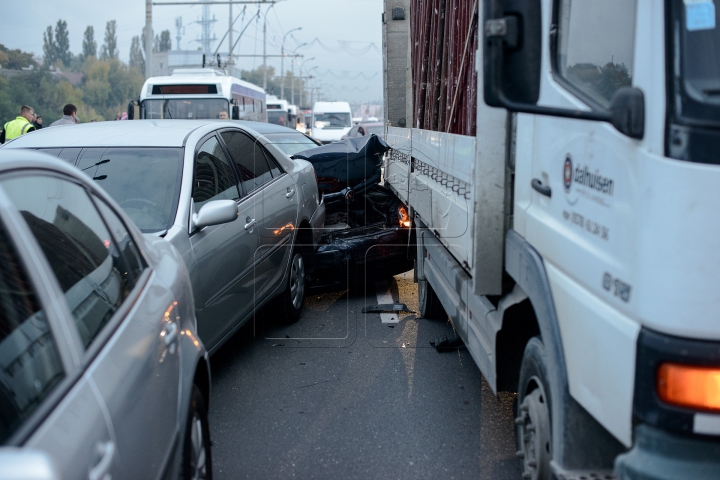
{"x": 659, "y": 455}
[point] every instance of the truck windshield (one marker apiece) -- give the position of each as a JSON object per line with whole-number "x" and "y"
{"x": 144, "y": 181}
{"x": 186, "y": 108}
{"x": 332, "y": 120}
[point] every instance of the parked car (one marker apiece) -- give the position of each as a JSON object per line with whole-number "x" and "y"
{"x": 245, "y": 217}
{"x": 366, "y": 128}
{"x": 102, "y": 373}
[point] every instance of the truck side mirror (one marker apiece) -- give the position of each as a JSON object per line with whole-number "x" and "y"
{"x": 512, "y": 55}
{"x": 236, "y": 112}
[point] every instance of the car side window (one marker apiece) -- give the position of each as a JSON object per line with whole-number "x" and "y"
{"x": 30, "y": 365}
{"x": 77, "y": 245}
{"x": 214, "y": 178}
{"x": 249, "y": 157}
{"x": 130, "y": 251}
{"x": 596, "y": 42}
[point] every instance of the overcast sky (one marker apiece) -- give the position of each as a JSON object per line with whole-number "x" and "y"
{"x": 331, "y": 21}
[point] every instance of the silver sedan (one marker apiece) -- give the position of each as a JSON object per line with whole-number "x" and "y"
{"x": 101, "y": 370}
{"x": 245, "y": 217}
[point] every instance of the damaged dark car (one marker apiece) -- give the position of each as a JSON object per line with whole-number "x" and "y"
{"x": 367, "y": 233}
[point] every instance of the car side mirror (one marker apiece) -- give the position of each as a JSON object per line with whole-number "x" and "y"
{"x": 26, "y": 464}
{"x": 512, "y": 55}
{"x": 215, "y": 212}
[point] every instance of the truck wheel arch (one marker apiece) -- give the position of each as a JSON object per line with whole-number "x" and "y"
{"x": 583, "y": 443}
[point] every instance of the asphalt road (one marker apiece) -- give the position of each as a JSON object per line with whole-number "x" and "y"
{"x": 341, "y": 394}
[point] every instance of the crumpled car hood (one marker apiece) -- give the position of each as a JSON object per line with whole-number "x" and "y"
{"x": 353, "y": 163}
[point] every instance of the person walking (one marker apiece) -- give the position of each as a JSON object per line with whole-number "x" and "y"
{"x": 20, "y": 126}
{"x": 69, "y": 116}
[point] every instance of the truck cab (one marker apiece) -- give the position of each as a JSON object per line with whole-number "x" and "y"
{"x": 568, "y": 232}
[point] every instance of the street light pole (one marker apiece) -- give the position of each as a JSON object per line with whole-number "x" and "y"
{"x": 148, "y": 38}
{"x": 292, "y": 69}
{"x": 265, "y": 45}
{"x": 302, "y": 64}
{"x": 282, "y": 62}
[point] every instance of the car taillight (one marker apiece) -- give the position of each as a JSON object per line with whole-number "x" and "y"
{"x": 689, "y": 386}
{"x": 403, "y": 217}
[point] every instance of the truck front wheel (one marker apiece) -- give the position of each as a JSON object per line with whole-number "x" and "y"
{"x": 533, "y": 433}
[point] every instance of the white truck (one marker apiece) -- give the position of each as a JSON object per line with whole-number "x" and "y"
{"x": 562, "y": 175}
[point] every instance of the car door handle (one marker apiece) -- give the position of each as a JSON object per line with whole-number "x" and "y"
{"x": 170, "y": 331}
{"x": 290, "y": 192}
{"x": 250, "y": 223}
{"x": 538, "y": 186}
{"x": 101, "y": 471}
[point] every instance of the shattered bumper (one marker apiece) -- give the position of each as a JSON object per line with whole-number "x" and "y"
{"x": 353, "y": 257}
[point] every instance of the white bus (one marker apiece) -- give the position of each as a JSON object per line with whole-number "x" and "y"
{"x": 200, "y": 93}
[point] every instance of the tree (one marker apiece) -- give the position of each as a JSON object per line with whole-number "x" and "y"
{"x": 256, "y": 77}
{"x": 165, "y": 43}
{"x": 109, "y": 48}
{"x": 136, "y": 55}
{"x": 89, "y": 44}
{"x": 15, "y": 59}
{"x": 49, "y": 47}
{"x": 62, "y": 43}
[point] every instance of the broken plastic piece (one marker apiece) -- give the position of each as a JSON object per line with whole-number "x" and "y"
{"x": 387, "y": 308}
{"x": 443, "y": 344}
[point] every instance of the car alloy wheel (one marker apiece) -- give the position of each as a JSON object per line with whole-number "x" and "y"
{"x": 297, "y": 281}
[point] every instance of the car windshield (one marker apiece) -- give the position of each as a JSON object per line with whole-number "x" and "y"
{"x": 185, "y": 108}
{"x": 291, "y": 143}
{"x": 278, "y": 117}
{"x": 333, "y": 120}
{"x": 144, "y": 181}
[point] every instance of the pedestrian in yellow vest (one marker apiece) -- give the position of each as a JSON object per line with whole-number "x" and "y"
{"x": 20, "y": 126}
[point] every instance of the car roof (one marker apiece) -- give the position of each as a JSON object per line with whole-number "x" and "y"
{"x": 131, "y": 133}
{"x": 371, "y": 124}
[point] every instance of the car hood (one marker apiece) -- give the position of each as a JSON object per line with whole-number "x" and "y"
{"x": 347, "y": 164}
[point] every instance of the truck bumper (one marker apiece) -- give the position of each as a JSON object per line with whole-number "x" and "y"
{"x": 658, "y": 455}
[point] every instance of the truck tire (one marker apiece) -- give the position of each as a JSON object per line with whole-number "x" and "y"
{"x": 532, "y": 425}
{"x": 429, "y": 303}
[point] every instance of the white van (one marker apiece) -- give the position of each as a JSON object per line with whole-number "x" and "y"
{"x": 331, "y": 120}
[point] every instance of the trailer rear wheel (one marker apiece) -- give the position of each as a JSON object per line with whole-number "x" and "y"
{"x": 533, "y": 431}
{"x": 429, "y": 303}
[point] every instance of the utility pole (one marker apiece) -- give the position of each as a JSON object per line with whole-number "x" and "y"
{"x": 148, "y": 38}
{"x": 292, "y": 93}
{"x": 282, "y": 62}
{"x": 230, "y": 29}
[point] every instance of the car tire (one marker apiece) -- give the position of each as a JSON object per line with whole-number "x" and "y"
{"x": 293, "y": 297}
{"x": 197, "y": 458}
{"x": 533, "y": 422}
{"x": 429, "y": 303}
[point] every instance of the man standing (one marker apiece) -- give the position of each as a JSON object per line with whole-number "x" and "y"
{"x": 20, "y": 126}
{"x": 69, "y": 116}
